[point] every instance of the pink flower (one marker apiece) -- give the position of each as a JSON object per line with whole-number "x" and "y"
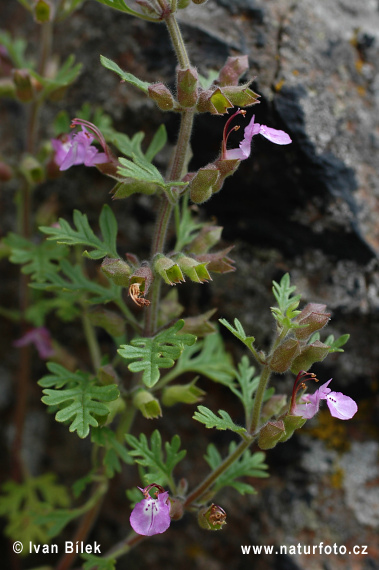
{"x": 340, "y": 406}
{"x": 252, "y": 129}
{"x": 41, "y": 339}
{"x": 151, "y": 516}
{"x": 72, "y": 149}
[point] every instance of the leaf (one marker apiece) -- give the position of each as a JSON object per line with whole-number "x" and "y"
{"x": 66, "y": 75}
{"x": 159, "y": 464}
{"x": 98, "y": 563}
{"x": 125, "y": 76}
{"x": 59, "y": 376}
{"x": 248, "y": 465}
{"x": 20, "y": 503}
{"x": 115, "y": 451}
{"x": 78, "y": 283}
{"x": 83, "y": 234}
{"x": 287, "y": 304}
{"x": 207, "y": 357}
{"x": 37, "y": 259}
{"x": 128, "y": 146}
{"x": 238, "y": 331}
{"x": 81, "y": 403}
{"x": 335, "y": 345}
{"x": 148, "y": 355}
{"x": 16, "y": 48}
{"x": 158, "y": 142}
{"x": 210, "y": 420}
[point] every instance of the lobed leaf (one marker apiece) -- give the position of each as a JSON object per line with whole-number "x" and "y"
{"x": 210, "y": 420}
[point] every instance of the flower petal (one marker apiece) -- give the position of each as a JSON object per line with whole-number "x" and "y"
{"x": 151, "y": 516}
{"x": 275, "y": 136}
{"x": 341, "y": 406}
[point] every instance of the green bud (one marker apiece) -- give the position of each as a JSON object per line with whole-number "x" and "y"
{"x": 24, "y": 86}
{"x": 284, "y": 355}
{"x": 314, "y": 317}
{"x": 195, "y": 270}
{"x": 240, "y": 95}
{"x": 206, "y": 239}
{"x": 211, "y": 518}
{"x": 273, "y": 406}
{"x": 271, "y": 434}
{"x": 117, "y": 270}
{"x": 167, "y": 269}
{"x": 182, "y": 393}
{"x": 201, "y": 186}
{"x": 311, "y": 353}
{"x": 32, "y": 170}
{"x": 187, "y": 87}
{"x": 291, "y": 424}
{"x": 43, "y": 11}
{"x": 147, "y": 404}
{"x": 233, "y": 69}
{"x": 162, "y": 96}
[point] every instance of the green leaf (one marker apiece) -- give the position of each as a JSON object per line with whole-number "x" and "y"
{"x": 248, "y": 465}
{"x": 66, "y": 75}
{"x": 159, "y": 464}
{"x": 59, "y": 376}
{"x": 115, "y": 451}
{"x": 287, "y": 304}
{"x": 81, "y": 403}
{"x": 238, "y": 331}
{"x": 56, "y": 520}
{"x": 98, "y": 563}
{"x": 210, "y": 420}
{"x": 125, "y": 76}
{"x": 37, "y": 259}
{"x": 78, "y": 285}
{"x": 20, "y": 503}
{"x": 206, "y": 82}
{"x": 84, "y": 235}
{"x": 148, "y": 355}
{"x": 207, "y": 357}
{"x": 128, "y": 146}
{"x": 158, "y": 142}
{"x": 16, "y": 48}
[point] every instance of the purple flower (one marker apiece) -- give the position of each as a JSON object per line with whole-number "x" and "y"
{"x": 252, "y": 129}
{"x": 151, "y": 516}
{"x": 340, "y": 406}
{"x": 41, "y": 339}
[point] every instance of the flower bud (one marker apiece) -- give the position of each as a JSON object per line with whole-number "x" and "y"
{"x": 167, "y": 269}
{"x": 240, "y": 95}
{"x": 32, "y": 169}
{"x": 201, "y": 186}
{"x": 147, "y": 404}
{"x": 211, "y": 518}
{"x": 117, "y": 271}
{"x": 233, "y": 69}
{"x": 206, "y": 239}
{"x": 182, "y": 393}
{"x": 214, "y": 102}
{"x": 24, "y": 86}
{"x": 284, "y": 355}
{"x": 195, "y": 270}
{"x": 43, "y": 11}
{"x": 187, "y": 87}
{"x": 311, "y": 353}
{"x": 291, "y": 424}
{"x": 176, "y": 509}
{"x": 271, "y": 434}
{"x": 162, "y": 96}
{"x": 314, "y": 317}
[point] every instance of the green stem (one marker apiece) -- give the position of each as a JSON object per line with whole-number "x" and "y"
{"x": 265, "y": 376}
{"x": 203, "y": 487}
{"x": 91, "y": 339}
{"x": 177, "y": 41}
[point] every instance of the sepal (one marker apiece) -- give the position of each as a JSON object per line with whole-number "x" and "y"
{"x": 312, "y": 318}
{"x": 202, "y": 184}
{"x": 117, "y": 270}
{"x": 311, "y": 353}
{"x": 167, "y": 269}
{"x": 233, "y": 69}
{"x": 187, "y": 87}
{"x": 195, "y": 270}
{"x": 271, "y": 434}
{"x": 284, "y": 355}
{"x": 182, "y": 393}
{"x": 147, "y": 404}
{"x": 212, "y": 518}
{"x": 162, "y": 96}
{"x": 43, "y": 11}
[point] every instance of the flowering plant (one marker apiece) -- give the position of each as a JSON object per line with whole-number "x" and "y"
{"x": 78, "y": 272}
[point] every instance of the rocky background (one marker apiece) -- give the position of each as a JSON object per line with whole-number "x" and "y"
{"x": 310, "y": 208}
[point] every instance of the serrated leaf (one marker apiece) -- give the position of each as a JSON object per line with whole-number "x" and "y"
{"x": 115, "y": 451}
{"x": 81, "y": 403}
{"x": 148, "y": 355}
{"x": 59, "y": 376}
{"x": 210, "y": 420}
{"x": 207, "y": 357}
{"x": 125, "y": 76}
{"x": 36, "y": 259}
{"x": 159, "y": 464}
{"x": 84, "y": 235}
{"x": 248, "y": 465}
{"x": 238, "y": 331}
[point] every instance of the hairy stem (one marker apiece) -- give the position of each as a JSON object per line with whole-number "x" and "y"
{"x": 258, "y": 401}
